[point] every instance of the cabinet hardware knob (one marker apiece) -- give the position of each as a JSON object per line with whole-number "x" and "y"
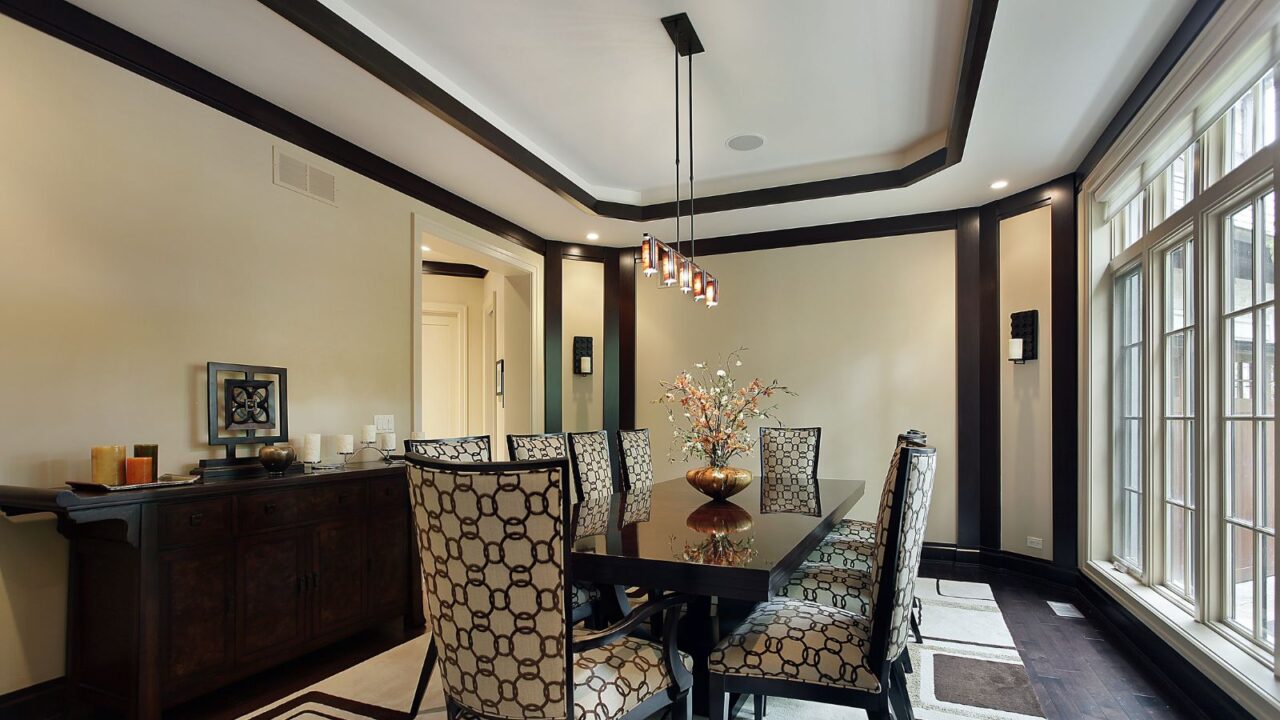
{"x": 196, "y": 519}
{"x": 269, "y": 508}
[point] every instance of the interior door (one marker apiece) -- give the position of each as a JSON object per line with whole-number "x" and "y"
{"x": 444, "y": 345}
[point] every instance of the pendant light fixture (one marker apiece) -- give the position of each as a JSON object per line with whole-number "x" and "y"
{"x": 674, "y": 268}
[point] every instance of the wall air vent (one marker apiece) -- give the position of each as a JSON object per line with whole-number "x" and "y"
{"x": 297, "y": 175}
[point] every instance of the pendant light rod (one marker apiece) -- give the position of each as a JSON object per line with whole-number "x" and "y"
{"x": 693, "y": 242}
{"x": 677, "y": 116}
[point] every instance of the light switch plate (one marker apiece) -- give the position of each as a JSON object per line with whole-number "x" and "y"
{"x": 1035, "y": 542}
{"x": 385, "y": 423}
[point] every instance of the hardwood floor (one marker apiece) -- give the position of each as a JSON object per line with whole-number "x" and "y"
{"x": 1078, "y": 670}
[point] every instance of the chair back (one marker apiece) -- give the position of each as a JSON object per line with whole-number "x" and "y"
{"x": 910, "y": 438}
{"x": 549, "y": 446}
{"x": 637, "y": 459}
{"x": 494, "y": 552}
{"x": 789, "y": 470}
{"x": 592, "y": 465}
{"x": 473, "y": 449}
{"x": 900, "y": 541}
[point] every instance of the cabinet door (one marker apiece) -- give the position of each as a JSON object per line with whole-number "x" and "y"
{"x": 338, "y": 557}
{"x": 388, "y": 564}
{"x": 197, "y": 591}
{"x": 271, "y": 600}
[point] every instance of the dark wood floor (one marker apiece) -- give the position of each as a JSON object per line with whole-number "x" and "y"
{"x": 1077, "y": 670}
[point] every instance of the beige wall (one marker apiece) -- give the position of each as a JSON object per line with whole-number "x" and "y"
{"x": 143, "y": 237}
{"x": 1026, "y": 391}
{"x": 469, "y": 293}
{"x": 583, "y": 284}
{"x": 863, "y": 331}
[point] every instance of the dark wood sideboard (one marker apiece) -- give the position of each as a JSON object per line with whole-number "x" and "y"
{"x": 174, "y": 592}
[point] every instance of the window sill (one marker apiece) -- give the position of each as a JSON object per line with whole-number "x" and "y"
{"x": 1252, "y": 683}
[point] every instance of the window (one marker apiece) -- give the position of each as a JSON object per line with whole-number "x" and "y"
{"x": 1245, "y": 128}
{"x": 1179, "y": 431}
{"x": 1249, "y": 343}
{"x": 1174, "y": 187}
{"x": 1126, "y": 226}
{"x": 1128, "y": 441}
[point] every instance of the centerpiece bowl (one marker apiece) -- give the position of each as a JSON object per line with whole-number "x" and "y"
{"x": 719, "y": 482}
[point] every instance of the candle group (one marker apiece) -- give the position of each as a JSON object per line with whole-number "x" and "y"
{"x": 109, "y": 466}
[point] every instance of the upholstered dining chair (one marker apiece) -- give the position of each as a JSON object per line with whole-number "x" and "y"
{"x": 592, "y": 464}
{"x": 864, "y": 531}
{"x": 474, "y": 448}
{"x": 789, "y": 470}
{"x": 495, "y": 541}
{"x": 809, "y": 651}
{"x": 637, "y": 459}
{"x": 547, "y": 446}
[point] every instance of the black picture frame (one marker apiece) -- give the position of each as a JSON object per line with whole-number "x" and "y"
{"x": 265, "y": 377}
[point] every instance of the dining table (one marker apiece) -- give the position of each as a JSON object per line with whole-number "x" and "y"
{"x": 728, "y": 555}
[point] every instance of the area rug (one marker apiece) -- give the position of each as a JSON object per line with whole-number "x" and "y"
{"x": 967, "y": 667}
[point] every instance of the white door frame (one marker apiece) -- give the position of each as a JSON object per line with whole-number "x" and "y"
{"x": 451, "y": 229}
{"x": 459, "y": 313}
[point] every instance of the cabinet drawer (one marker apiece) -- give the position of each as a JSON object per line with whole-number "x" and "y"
{"x": 269, "y": 510}
{"x": 389, "y": 492}
{"x": 335, "y": 500}
{"x": 194, "y": 522}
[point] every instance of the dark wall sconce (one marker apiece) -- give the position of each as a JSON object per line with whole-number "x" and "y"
{"x": 1024, "y": 328}
{"x": 581, "y": 355}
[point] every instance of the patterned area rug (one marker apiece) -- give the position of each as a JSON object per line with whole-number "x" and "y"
{"x": 966, "y": 668}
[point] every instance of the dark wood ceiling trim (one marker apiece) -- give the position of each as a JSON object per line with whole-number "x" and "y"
{"x": 313, "y": 17}
{"x": 451, "y": 269}
{"x": 819, "y": 234}
{"x": 1192, "y": 24}
{"x": 98, "y": 37}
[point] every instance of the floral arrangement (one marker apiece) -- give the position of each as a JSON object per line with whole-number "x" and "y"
{"x": 719, "y": 549}
{"x": 712, "y": 412}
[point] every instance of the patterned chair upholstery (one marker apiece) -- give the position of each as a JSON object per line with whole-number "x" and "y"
{"x": 551, "y": 446}
{"x": 807, "y": 650}
{"x": 494, "y": 547}
{"x": 474, "y": 449}
{"x": 637, "y": 459}
{"x": 592, "y": 466}
{"x": 789, "y": 470}
{"x": 864, "y": 531}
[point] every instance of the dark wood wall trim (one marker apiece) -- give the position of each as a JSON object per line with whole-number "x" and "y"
{"x": 990, "y": 354}
{"x": 1065, "y": 393}
{"x": 42, "y": 701}
{"x": 328, "y": 27}
{"x": 98, "y": 37}
{"x": 819, "y": 234}
{"x": 553, "y": 337}
{"x": 452, "y": 269}
{"x": 1192, "y": 24}
{"x": 969, "y": 455}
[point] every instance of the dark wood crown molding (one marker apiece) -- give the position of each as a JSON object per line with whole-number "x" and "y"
{"x": 313, "y": 17}
{"x": 112, "y": 43}
{"x": 452, "y": 269}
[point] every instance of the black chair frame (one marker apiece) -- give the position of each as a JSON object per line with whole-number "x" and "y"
{"x": 677, "y": 697}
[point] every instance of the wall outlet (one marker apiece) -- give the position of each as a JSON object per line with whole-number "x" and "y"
{"x": 1035, "y": 542}
{"x": 385, "y": 423}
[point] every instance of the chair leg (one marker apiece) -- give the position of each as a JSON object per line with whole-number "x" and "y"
{"x": 759, "y": 699}
{"x": 428, "y": 666}
{"x": 682, "y": 707}
{"x": 917, "y": 616}
{"x": 899, "y": 696}
{"x": 451, "y": 710}
{"x": 717, "y": 698}
{"x": 905, "y": 659}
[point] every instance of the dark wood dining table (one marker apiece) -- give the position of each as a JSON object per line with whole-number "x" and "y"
{"x": 728, "y": 554}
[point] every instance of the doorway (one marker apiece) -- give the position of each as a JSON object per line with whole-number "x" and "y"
{"x": 445, "y": 340}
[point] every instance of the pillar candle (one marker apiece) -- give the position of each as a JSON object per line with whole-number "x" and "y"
{"x": 108, "y": 464}
{"x": 368, "y": 434}
{"x": 137, "y": 470}
{"x": 417, "y": 435}
{"x": 386, "y": 441}
{"x": 346, "y": 443}
{"x": 1015, "y": 349}
{"x": 311, "y": 448}
{"x": 149, "y": 451}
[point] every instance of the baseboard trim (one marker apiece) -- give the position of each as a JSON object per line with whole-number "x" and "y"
{"x": 1183, "y": 680}
{"x": 42, "y": 701}
{"x": 1002, "y": 560}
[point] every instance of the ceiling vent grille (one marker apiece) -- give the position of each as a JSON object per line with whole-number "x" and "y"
{"x": 297, "y": 175}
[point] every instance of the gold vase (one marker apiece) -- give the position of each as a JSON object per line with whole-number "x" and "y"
{"x": 719, "y": 482}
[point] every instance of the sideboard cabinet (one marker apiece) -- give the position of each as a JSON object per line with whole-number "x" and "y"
{"x": 177, "y": 591}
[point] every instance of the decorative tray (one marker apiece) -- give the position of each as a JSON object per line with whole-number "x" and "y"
{"x": 162, "y": 481}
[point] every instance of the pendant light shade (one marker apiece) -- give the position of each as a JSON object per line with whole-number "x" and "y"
{"x": 713, "y": 292}
{"x": 649, "y": 255}
{"x": 686, "y": 275}
{"x": 699, "y": 282}
{"x": 667, "y": 265}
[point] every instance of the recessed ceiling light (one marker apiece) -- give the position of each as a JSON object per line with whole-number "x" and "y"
{"x": 999, "y": 184}
{"x": 426, "y": 249}
{"x": 593, "y": 236}
{"x": 745, "y": 142}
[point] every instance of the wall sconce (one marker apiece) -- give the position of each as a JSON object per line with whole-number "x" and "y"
{"x": 1023, "y": 330}
{"x": 581, "y": 355}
